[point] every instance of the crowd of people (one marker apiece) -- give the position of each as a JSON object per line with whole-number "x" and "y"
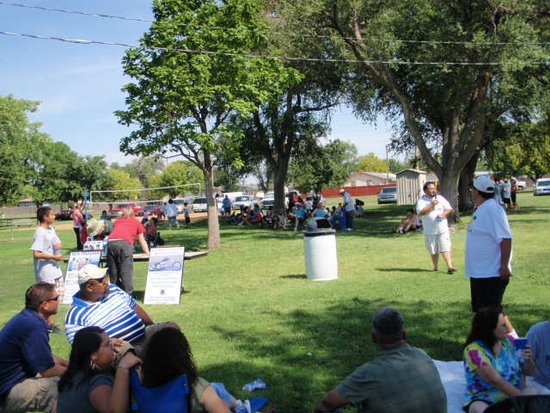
{"x": 117, "y": 350}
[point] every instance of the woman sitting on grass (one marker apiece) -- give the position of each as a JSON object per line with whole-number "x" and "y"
{"x": 87, "y": 385}
{"x": 411, "y": 222}
{"x": 491, "y": 365}
{"x": 168, "y": 357}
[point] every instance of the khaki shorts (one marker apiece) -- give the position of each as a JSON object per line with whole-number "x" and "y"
{"x": 436, "y": 244}
{"x": 34, "y": 394}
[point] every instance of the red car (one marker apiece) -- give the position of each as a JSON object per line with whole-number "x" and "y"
{"x": 116, "y": 210}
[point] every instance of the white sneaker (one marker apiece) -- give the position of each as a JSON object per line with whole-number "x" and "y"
{"x": 349, "y": 229}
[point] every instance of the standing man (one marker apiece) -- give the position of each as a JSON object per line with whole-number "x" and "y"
{"x": 28, "y": 370}
{"x": 401, "y": 379}
{"x": 120, "y": 251}
{"x": 488, "y": 247}
{"x": 349, "y": 208}
{"x": 433, "y": 209}
{"x": 172, "y": 214}
{"x": 46, "y": 251}
{"x": 226, "y": 204}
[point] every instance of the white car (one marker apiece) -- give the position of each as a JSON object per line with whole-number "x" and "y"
{"x": 200, "y": 205}
{"x": 388, "y": 195}
{"x": 243, "y": 201}
{"x": 542, "y": 187}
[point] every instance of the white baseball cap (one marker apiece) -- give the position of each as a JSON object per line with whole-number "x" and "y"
{"x": 90, "y": 272}
{"x": 484, "y": 183}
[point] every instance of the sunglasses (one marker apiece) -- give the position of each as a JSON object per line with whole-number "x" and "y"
{"x": 56, "y": 298}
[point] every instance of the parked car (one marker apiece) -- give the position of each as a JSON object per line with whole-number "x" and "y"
{"x": 388, "y": 195}
{"x": 243, "y": 201}
{"x": 149, "y": 209}
{"x": 542, "y": 187}
{"x": 520, "y": 184}
{"x": 178, "y": 202}
{"x": 116, "y": 210}
{"x": 268, "y": 200}
{"x": 64, "y": 215}
{"x": 200, "y": 205}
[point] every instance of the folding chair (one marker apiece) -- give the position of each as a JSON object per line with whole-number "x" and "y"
{"x": 173, "y": 397}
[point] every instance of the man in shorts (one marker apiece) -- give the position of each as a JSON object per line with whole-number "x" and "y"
{"x": 488, "y": 247}
{"x": 434, "y": 209}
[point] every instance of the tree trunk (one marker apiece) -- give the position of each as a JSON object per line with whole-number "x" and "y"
{"x": 448, "y": 186}
{"x": 213, "y": 241}
{"x": 279, "y": 176}
{"x": 466, "y": 177}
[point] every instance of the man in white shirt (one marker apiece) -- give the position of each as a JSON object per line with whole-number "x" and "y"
{"x": 434, "y": 209}
{"x": 488, "y": 247}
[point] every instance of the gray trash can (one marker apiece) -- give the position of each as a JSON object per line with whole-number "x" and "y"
{"x": 320, "y": 254}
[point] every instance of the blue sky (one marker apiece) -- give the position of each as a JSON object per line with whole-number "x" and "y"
{"x": 79, "y": 85}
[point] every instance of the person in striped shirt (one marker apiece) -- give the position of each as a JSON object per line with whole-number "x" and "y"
{"x": 105, "y": 305}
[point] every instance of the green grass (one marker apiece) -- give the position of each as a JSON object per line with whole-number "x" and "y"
{"x": 249, "y": 310}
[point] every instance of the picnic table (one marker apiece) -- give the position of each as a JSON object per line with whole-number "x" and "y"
{"x": 140, "y": 256}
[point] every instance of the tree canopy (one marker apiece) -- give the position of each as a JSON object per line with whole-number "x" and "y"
{"x": 180, "y": 101}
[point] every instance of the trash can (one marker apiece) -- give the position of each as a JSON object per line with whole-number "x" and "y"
{"x": 320, "y": 254}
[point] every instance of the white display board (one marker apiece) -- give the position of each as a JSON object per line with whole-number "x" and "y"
{"x": 164, "y": 276}
{"x": 77, "y": 260}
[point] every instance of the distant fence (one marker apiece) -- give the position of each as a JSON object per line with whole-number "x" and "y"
{"x": 354, "y": 191}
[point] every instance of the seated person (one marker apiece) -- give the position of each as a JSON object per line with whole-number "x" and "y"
{"x": 359, "y": 210}
{"x": 337, "y": 218}
{"x": 254, "y": 216}
{"x": 98, "y": 303}
{"x": 538, "y": 338}
{"x": 320, "y": 211}
{"x": 87, "y": 385}
{"x": 491, "y": 365}
{"x": 299, "y": 215}
{"x": 28, "y": 369}
{"x": 401, "y": 379}
{"x": 152, "y": 236}
{"x": 168, "y": 357}
{"x": 411, "y": 222}
{"x": 96, "y": 229}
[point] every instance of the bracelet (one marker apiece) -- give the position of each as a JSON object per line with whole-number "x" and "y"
{"x": 122, "y": 367}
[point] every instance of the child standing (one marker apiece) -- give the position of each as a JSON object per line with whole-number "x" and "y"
{"x": 46, "y": 252}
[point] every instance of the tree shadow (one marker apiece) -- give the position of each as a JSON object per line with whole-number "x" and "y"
{"x": 325, "y": 346}
{"x": 294, "y": 276}
{"x": 397, "y": 269}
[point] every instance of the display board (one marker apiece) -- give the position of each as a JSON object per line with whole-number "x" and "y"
{"x": 77, "y": 260}
{"x": 164, "y": 276}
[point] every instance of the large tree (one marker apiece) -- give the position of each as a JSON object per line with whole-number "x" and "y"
{"x": 17, "y": 135}
{"x": 192, "y": 71}
{"x": 438, "y": 70}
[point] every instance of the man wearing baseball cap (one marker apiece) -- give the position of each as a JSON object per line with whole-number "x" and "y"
{"x": 488, "y": 247}
{"x": 105, "y": 305}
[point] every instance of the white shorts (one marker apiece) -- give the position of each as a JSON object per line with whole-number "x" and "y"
{"x": 438, "y": 243}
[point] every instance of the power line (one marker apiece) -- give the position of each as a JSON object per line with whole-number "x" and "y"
{"x": 259, "y": 56}
{"x": 81, "y": 13}
{"x": 411, "y": 41}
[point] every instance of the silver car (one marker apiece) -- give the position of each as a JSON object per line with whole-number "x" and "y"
{"x": 388, "y": 195}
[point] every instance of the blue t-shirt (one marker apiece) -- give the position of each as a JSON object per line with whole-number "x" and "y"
{"x": 24, "y": 350}
{"x": 77, "y": 397}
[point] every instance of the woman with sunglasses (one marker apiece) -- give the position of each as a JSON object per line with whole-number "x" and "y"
{"x": 87, "y": 385}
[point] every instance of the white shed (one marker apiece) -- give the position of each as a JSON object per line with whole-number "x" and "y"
{"x": 409, "y": 186}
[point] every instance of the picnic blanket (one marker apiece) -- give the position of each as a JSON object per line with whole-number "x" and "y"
{"x": 452, "y": 376}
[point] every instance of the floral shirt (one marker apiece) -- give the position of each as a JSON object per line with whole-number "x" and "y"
{"x": 476, "y": 355}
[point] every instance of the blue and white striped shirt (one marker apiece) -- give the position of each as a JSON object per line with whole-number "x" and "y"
{"x": 114, "y": 313}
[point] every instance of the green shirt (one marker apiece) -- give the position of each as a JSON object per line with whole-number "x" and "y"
{"x": 403, "y": 379}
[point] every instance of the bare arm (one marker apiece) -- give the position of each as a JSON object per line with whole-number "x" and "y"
{"x": 143, "y": 315}
{"x": 105, "y": 399}
{"x": 43, "y": 256}
{"x": 505, "y": 252}
{"x": 488, "y": 373}
{"x": 331, "y": 401}
{"x": 212, "y": 402}
{"x": 529, "y": 368}
{"x": 143, "y": 244}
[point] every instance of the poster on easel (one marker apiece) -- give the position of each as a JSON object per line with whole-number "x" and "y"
{"x": 77, "y": 260}
{"x": 164, "y": 276}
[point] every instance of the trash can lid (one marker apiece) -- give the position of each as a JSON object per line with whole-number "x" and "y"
{"x": 319, "y": 232}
